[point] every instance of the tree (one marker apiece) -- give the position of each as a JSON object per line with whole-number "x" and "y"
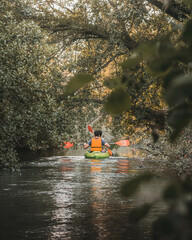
{"x": 30, "y": 115}
{"x": 108, "y": 31}
{"x": 103, "y": 34}
{"x": 92, "y": 36}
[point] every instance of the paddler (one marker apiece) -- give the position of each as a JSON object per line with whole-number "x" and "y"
{"x": 97, "y": 143}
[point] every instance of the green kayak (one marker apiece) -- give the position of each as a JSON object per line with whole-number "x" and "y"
{"x": 96, "y": 154}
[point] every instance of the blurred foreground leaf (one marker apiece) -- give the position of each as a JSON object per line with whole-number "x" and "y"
{"x": 78, "y": 81}
{"x": 187, "y": 33}
{"x": 130, "y": 187}
{"x": 132, "y": 62}
{"x": 163, "y": 64}
{"x": 139, "y": 213}
{"x": 177, "y": 189}
{"x": 117, "y": 102}
{"x": 178, "y": 118}
{"x": 179, "y": 90}
{"x": 147, "y": 49}
{"x": 113, "y": 83}
{"x": 171, "y": 191}
{"x": 170, "y": 76}
{"x": 189, "y": 2}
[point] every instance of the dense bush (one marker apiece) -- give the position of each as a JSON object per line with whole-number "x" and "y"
{"x": 29, "y": 113}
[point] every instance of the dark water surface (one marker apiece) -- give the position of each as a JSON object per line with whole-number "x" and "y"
{"x": 71, "y": 198}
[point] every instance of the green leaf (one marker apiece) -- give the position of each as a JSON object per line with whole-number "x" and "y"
{"x": 113, "y": 83}
{"x": 189, "y": 2}
{"x": 179, "y": 90}
{"x": 117, "y": 102}
{"x": 186, "y": 186}
{"x": 130, "y": 187}
{"x": 132, "y": 62}
{"x": 147, "y": 50}
{"x": 176, "y": 189}
{"x": 187, "y": 33}
{"x": 139, "y": 213}
{"x": 171, "y": 191}
{"x": 170, "y": 76}
{"x": 159, "y": 65}
{"x": 78, "y": 81}
{"x": 178, "y": 118}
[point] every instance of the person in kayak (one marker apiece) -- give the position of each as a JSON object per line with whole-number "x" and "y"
{"x": 97, "y": 143}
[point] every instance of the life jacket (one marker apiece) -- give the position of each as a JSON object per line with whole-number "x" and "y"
{"x": 96, "y": 144}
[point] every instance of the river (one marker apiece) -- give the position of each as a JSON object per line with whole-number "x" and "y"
{"x": 69, "y": 197}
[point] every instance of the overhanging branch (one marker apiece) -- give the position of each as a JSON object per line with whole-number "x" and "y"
{"x": 173, "y": 9}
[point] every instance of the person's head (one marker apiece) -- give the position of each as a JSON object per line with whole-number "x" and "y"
{"x": 98, "y": 133}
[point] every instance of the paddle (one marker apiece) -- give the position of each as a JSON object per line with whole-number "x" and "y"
{"x": 123, "y": 143}
{"x": 90, "y": 129}
{"x": 67, "y": 144}
{"x": 109, "y": 151}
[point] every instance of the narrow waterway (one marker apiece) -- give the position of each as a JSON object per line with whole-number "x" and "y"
{"x": 71, "y": 198}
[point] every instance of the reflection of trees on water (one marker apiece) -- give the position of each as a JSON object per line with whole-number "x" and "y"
{"x": 123, "y": 166}
{"x": 63, "y": 197}
{"x": 65, "y": 168}
{"x": 109, "y": 209}
{"x": 87, "y": 200}
{"x": 130, "y": 152}
{"x": 95, "y": 165}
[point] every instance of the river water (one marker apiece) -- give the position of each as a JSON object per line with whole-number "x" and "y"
{"x": 72, "y": 198}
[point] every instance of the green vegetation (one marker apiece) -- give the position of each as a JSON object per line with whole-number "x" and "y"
{"x": 27, "y": 103}
{"x": 128, "y": 58}
{"x": 64, "y": 63}
{"x": 176, "y": 195}
{"x": 31, "y": 114}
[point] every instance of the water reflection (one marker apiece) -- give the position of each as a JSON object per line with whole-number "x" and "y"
{"x": 69, "y": 198}
{"x": 95, "y": 165}
{"x": 123, "y": 166}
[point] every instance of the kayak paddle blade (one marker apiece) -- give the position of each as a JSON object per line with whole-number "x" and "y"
{"x": 68, "y": 145}
{"x": 123, "y": 143}
{"x": 110, "y": 152}
{"x": 90, "y": 129}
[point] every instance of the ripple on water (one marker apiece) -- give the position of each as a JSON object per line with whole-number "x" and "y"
{"x": 70, "y": 198}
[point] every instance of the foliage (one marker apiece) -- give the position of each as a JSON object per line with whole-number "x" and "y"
{"x": 172, "y": 62}
{"x": 93, "y": 35}
{"x": 30, "y": 114}
{"x": 118, "y": 101}
{"x": 177, "y": 195}
{"x": 25, "y": 101}
{"x": 131, "y": 187}
{"x": 97, "y": 36}
{"x": 105, "y": 33}
{"x": 169, "y": 60}
{"x": 173, "y": 159}
{"x": 77, "y": 82}
{"x": 148, "y": 55}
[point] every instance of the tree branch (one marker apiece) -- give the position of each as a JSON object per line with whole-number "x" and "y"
{"x": 173, "y": 9}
